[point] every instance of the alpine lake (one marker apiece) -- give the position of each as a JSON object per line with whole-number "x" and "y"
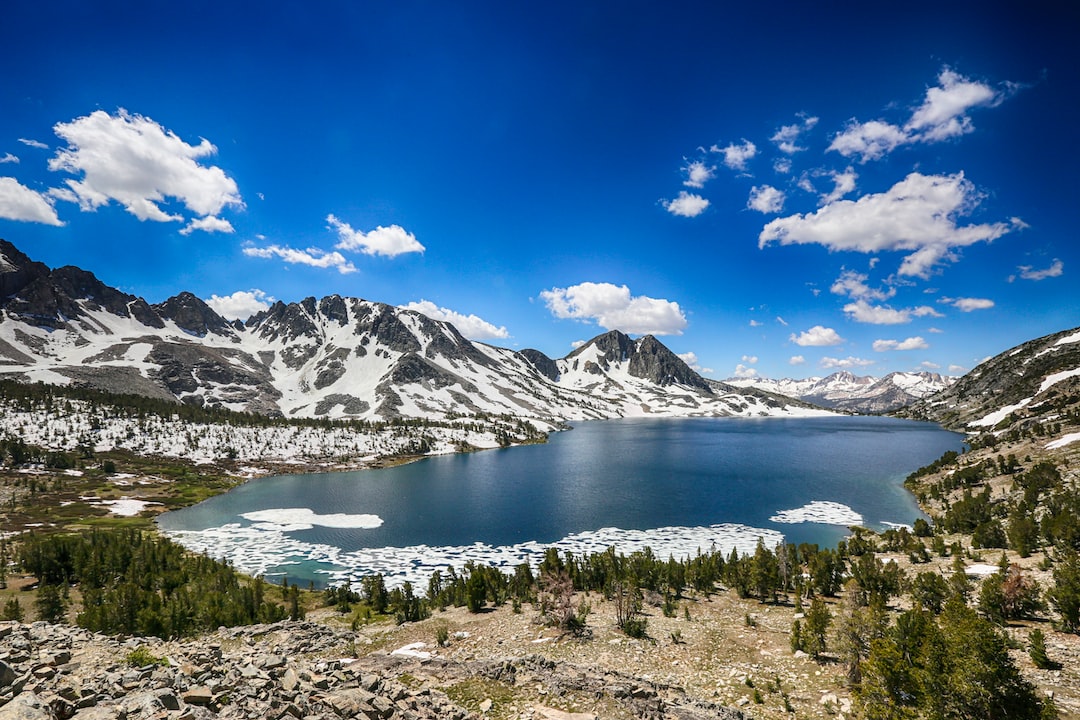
{"x": 678, "y": 486}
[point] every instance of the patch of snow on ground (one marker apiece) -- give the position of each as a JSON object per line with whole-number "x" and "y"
{"x": 981, "y": 570}
{"x": 1063, "y": 441}
{"x": 1058, "y": 377}
{"x": 126, "y": 507}
{"x": 1075, "y": 337}
{"x": 414, "y": 650}
{"x": 998, "y": 415}
{"x": 820, "y": 511}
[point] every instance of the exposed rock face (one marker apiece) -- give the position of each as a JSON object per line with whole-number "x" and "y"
{"x": 285, "y": 670}
{"x": 543, "y": 364}
{"x": 193, "y": 315}
{"x": 854, "y": 393}
{"x": 652, "y": 361}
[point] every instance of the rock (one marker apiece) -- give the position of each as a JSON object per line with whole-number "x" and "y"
{"x": 200, "y": 695}
{"x": 26, "y": 706}
{"x": 485, "y": 705}
{"x": 7, "y": 675}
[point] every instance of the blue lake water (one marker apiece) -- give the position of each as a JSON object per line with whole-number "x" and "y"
{"x": 675, "y": 485}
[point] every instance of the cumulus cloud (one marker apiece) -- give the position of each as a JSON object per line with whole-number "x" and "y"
{"x": 750, "y": 359}
{"x": 927, "y": 364}
{"x": 312, "y": 256}
{"x": 787, "y": 136}
{"x": 766, "y": 199}
{"x": 796, "y": 360}
{"x": 241, "y": 305}
{"x": 612, "y": 307}
{"x": 744, "y": 373}
{"x": 18, "y": 202}
{"x": 138, "y": 163}
{"x": 1028, "y": 272}
{"x": 942, "y": 115}
{"x": 817, "y": 336}
{"x": 736, "y": 155}
{"x": 843, "y": 184}
{"x": 831, "y": 363}
{"x": 918, "y": 214}
{"x": 9, "y": 158}
{"x": 864, "y": 312}
{"x": 208, "y": 224}
{"x": 957, "y": 369}
{"x": 387, "y": 241}
{"x": 943, "y": 112}
{"x": 969, "y": 304}
{"x": 912, "y": 343}
{"x": 854, "y": 285}
{"x": 686, "y": 205}
{"x": 697, "y": 174}
{"x": 471, "y": 326}
{"x": 691, "y": 360}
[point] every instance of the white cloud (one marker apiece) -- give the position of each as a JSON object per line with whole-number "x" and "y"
{"x": 9, "y": 158}
{"x": 578, "y": 343}
{"x": 786, "y": 137}
{"x": 918, "y": 214}
{"x": 864, "y": 312}
{"x": 782, "y": 165}
{"x": 744, "y": 372}
{"x": 686, "y": 205}
{"x": 755, "y": 323}
{"x": 18, "y": 202}
{"x": 388, "y": 241}
{"x": 138, "y": 163}
{"x": 208, "y": 224}
{"x": 736, "y": 155}
{"x": 34, "y": 144}
{"x": 241, "y": 305}
{"x": 912, "y": 343}
{"x": 781, "y": 320}
{"x": 471, "y": 326}
{"x": 796, "y": 360}
{"x": 766, "y": 199}
{"x": 843, "y": 183}
{"x": 942, "y": 115}
{"x": 853, "y": 284}
{"x": 613, "y": 308}
{"x": 929, "y": 365}
{"x": 312, "y": 256}
{"x": 805, "y": 185}
{"x": 869, "y": 140}
{"x": 969, "y": 304}
{"x": 936, "y": 331}
{"x": 831, "y": 363}
{"x": 697, "y": 174}
{"x": 957, "y": 369}
{"x": 750, "y": 359}
{"x": 691, "y": 360}
{"x": 817, "y": 336}
{"x": 1027, "y": 272}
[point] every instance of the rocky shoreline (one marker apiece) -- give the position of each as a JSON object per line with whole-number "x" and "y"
{"x": 292, "y": 670}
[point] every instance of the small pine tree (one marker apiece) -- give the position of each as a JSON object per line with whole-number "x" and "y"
{"x": 1037, "y": 651}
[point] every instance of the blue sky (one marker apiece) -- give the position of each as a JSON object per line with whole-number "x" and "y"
{"x": 776, "y": 190}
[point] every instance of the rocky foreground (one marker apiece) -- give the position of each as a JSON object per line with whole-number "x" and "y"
{"x": 293, "y": 670}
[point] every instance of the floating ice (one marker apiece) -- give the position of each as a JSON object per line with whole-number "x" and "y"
{"x": 265, "y": 547}
{"x": 820, "y": 511}
{"x": 288, "y": 519}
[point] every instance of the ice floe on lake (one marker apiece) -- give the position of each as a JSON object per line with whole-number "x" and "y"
{"x": 267, "y": 548}
{"x": 290, "y": 519}
{"x": 819, "y": 511}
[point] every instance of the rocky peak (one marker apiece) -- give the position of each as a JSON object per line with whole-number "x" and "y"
{"x": 17, "y": 270}
{"x": 653, "y": 361}
{"x": 192, "y": 315}
{"x": 612, "y": 346}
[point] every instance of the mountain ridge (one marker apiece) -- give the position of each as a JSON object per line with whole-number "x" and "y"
{"x": 844, "y": 391}
{"x": 333, "y": 357}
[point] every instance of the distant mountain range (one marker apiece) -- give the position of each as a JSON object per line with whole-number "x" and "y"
{"x": 335, "y": 358}
{"x": 853, "y": 393}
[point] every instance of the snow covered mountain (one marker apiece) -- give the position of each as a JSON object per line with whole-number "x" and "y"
{"x": 1030, "y": 385}
{"x": 335, "y": 357}
{"x": 853, "y": 393}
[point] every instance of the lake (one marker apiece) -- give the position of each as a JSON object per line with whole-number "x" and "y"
{"x": 677, "y": 485}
